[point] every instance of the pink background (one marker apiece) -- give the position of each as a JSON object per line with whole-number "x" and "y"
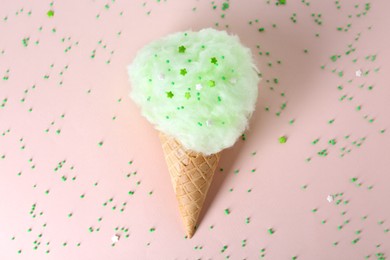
{"x": 54, "y": 85}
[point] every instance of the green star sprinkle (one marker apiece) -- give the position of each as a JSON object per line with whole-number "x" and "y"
{"x": 211, "y": 83}
{"x": 183, "y": 72}
{"x": 282, "y": 139}
{"x": 182, "y": 49}
{"x": 225, "y": 6}
{"x": 187, "y": 95}
{"x": 213, "y": 60}
{"x": 170, "y": 94}
{"x": 333, "y": 58}
{"x": 50, "y": 13}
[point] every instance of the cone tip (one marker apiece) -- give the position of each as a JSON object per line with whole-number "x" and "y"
{"x": 190, "y": 233}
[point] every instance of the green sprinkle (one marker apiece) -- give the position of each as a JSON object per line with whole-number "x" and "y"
{"x": 182, "y": 49}
{"x": 25, "y": 41}
{"x": 183, "y": 72}
{"x": 355, "y": 241}
{"x": 227, "y": 211}
{"x": 214, "y": 61}
{"x": 225, "y": 6}
{"x": 334, "y": 58}
{"x": 169, "y": 94}
{"x": 282, "y": 2}
{"x": 323, "y": 152}
{"x": 332, "y": 141}
{"x": 211, "y": 83}
{"x": 50, "y": 13}
{"x": 271, "y": 231}
{"x": 152, "y": 230}
{"x": 282, "y": 139}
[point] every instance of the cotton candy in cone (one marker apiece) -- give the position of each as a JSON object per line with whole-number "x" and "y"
{"x": 191, "y": 175}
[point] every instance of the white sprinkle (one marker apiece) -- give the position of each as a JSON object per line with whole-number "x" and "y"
{"x": 161, "y": 76}
{"x": 358, "y": 73}
{"x": 209, "y": 123}
{"x": 330, "y": 198}
{"x": 198, "y": 86}
{"x": 233, "y": 81}
{"x": 115, "y": 238}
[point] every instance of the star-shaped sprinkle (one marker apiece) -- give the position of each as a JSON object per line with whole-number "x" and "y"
{"x": 187, "y": 95}
{"x": 282, "y": 139}
{"x": 358, "y": 73}
{"x": 183, "y": 72}
{"x": 161, "y": 76}
{"x": 214, "y": 60}
{"x": 330, "y": 198}
{"x": 115, "y": 238}
{"x": 198, "y": 86}
{"x": 182, "y": 49}
{"x": 211, "y": 83}
{"x": 169, "y": 94}
{"x": 50, "y": 13}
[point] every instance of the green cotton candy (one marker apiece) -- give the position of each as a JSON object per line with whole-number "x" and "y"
{"x": 198, "y": 87}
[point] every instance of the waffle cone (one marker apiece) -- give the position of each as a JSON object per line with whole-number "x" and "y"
{"x": 191, "y": 175}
